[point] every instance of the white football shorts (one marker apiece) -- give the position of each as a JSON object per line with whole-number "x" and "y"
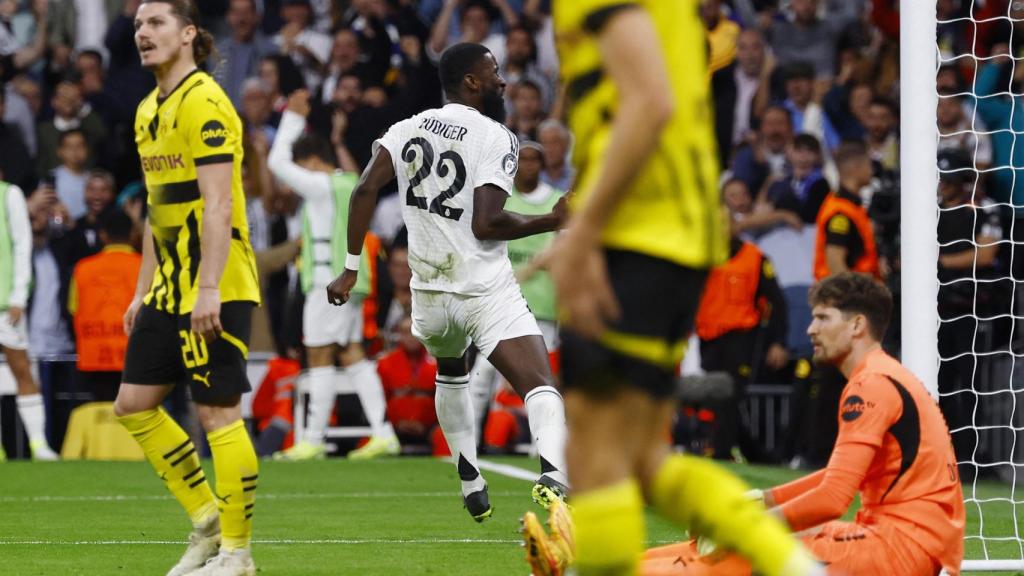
{"x": 448, "y": 323}
{"x": 324, "y": 324}
{"x": 12, "y": 336}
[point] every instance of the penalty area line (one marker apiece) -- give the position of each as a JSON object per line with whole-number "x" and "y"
{"x": 287, "y": 541}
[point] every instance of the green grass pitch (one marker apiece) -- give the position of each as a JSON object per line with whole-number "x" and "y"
{"x": 388, "y": 517}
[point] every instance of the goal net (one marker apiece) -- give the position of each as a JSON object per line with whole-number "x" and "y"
{"x": 962, "y": 287}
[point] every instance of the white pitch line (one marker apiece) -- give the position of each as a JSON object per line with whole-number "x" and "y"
{"x": 503, "y": 469}
{"x": 260, "y": 496}
{"x": 508, "y": 470}
{"x": 338, "y": 541}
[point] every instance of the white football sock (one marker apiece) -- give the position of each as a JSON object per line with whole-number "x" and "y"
{"x": 322, "y": 393}
{"x": 371, "y": 395}
{"x": 481, "y": 386}
{"x": 33, "y": 418}
{"x": 546, "y": 411}
{"x": 455, "y": 415}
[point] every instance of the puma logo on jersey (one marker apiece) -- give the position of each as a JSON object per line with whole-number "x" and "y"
{"x": 213, "y": 134}
{"x": 162, "y": 162}
{"x": 204, "y": 379}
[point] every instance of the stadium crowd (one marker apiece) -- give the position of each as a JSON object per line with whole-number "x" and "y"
{"x": 805, "y": 95}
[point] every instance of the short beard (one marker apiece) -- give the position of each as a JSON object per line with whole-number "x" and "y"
{"x": 494, "y": 106}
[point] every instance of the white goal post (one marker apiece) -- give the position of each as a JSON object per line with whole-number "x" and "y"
{"x": 919, "y": 63}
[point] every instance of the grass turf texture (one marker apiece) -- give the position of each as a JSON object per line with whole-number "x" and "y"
{"x": 393, "y": 516}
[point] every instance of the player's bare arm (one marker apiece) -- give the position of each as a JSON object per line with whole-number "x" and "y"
{"x": 364, "y": 200}
{"x": 633, "y": 59}
{"x": 492, "y": 222}
{"x": 835, "y": 257}
{"x": 145, "y": 279}
{"x": 215, "y": 186}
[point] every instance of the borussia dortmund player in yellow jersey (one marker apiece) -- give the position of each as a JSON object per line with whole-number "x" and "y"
{"x": 190, "y": 319}
{"x": 629, "y": 272}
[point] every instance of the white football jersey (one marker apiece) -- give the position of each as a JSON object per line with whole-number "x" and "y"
{"x": 441, "y": 156}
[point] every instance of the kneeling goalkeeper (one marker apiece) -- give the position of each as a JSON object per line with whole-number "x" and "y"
{"x": 893, "y": 448}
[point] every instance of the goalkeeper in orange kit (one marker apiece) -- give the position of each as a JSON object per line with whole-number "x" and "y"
{"x": 893, "y": 448}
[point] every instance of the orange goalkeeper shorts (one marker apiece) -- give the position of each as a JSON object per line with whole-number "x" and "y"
{"x": 844, "y": 547}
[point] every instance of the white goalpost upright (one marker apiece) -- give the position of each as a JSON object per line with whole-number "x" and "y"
{"x": 919, "y": 249}
{"x": 993, "y": 547}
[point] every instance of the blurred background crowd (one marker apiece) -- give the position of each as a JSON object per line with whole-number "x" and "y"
{"x": 792, "y": 81}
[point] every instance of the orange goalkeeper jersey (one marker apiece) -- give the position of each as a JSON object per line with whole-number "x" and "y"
{"x": 902, "y": 461}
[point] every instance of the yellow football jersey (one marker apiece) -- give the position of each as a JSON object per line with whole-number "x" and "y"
{"x": 671, "y": 210}
{"x": 194, "y": 125}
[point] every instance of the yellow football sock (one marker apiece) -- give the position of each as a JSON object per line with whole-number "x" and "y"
{"x": 696, "y": 493}
{"x": 234, "y": 461}
{"x": 610, "y": 531}
{"x": 172, "y": 454}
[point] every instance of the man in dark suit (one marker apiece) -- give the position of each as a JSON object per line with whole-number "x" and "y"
{"x": 734, "y": 88}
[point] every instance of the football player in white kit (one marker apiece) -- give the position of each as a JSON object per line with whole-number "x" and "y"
{"x": 455, "y": 167}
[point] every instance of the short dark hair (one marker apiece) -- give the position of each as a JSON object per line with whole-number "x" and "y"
{"x": 809, "y": 142}
{"x": 91, "y": 53}
{"x": 456, "y": 62}
{"x": 849, "y": 151}
{"x": 116, "y": 224}
{"x": 886, "y": 102}
{"x": 856, "y": 293}
{"x": 778, "y": 108}
{"x": 313, "y": 146}
{"x": 65, "y": 134}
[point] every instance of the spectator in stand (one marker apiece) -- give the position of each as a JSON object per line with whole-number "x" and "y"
{"x": 476, "y": 19}
{"x": 407, "y": 373}
{"x": 49, "y": 325}
{"x": 345, "y": 59}
{"x": 379, "y": 39}
{"x": 527, "y": 110}
{"x": 77, "y": 26}
{"x": 125, "y": 75}
{"x": 15, "y": 163}
{"x": 15, "y": 282}
{"x": 957, "y": 133}
{"x": 521, "y": 64}
{"x": 19, "y": 111}
{"x": 804, "y": 37}
{"x": 997, "y": 109}
{"x": 309, "y": 49}
{"x": 952, "y": 28}
{"x": 880, "y": 135}
{"x": 102, "y": 287}
{"x": 847, "y": 105}
{"x": 804, "y": 189}
{"x": 807, "y": 115}
{"x": 556, "y": 140}
{"x": 968, "y": 231}
{"x": 257, "y": 110}
{"x": 242, "y": 51}
{"x": 282, "y": 77}
{"x": 70, "y": 176}
{"x": 110, "y": 107}
{"x": 99, "y": 197}
{"x": 763, "y": 156}
{"x": 735, "y": 90}
{"x": 368, "y": 118}
{"x": 70, "y": 112}
{"x": 722, "y": 34}
{"x": 741, "y": 322}
{"x": 18, "y": 55}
